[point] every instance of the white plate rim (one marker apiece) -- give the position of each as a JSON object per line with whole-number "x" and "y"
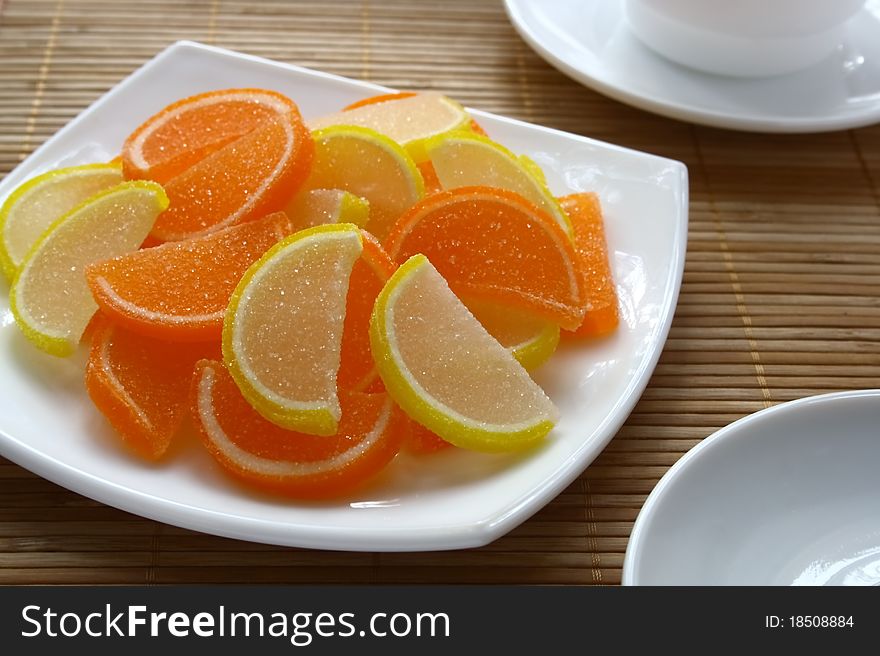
{"x": 682, "y": 111}
{"x": 692, "y": 458}
{"x": 466, "y": 535}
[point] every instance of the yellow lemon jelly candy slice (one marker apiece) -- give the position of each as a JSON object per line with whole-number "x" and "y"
{"x": 449, "y": 374}
{"x": 50, "y": 297}
{"x": 370, "y": 165}
{"x": 282, "y": 334}
{"x": 464, "y": 160}
{"x": 408, "y": 121}
{"x": 42, "y": 200}
{"x": 320, "y": 206}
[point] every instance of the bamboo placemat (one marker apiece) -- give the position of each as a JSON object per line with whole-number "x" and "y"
{"x": 781, "y": 293}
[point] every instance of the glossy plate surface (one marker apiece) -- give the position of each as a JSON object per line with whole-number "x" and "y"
{"x": 452, "y": 500}
{"x": 786, "y": 496}
{"x": 589, "y": 41}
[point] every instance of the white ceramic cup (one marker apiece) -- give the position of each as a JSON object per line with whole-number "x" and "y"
{"x": 746, "y": 38}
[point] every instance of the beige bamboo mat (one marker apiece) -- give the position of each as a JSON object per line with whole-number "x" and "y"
{"x": 781, "y": 293}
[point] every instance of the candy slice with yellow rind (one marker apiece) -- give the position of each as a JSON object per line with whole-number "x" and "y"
{"x": 282, "y": 334}
{"x": 42, "y": 200}
{"x": 320, "y": 206}
{"x": 446, "y": 372}
{"x": 370, "y": 165}
{"x": 408, "y": 121}
{"x": 464, "y": 160}
{"x": 50, "y": 297}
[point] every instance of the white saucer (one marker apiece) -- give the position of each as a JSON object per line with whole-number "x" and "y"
{"x": 590, "y": 41}
{"x": 786, "y": 496}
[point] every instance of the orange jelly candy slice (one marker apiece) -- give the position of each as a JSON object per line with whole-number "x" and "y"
{"x": 420, "y": 440}
{"x": 585, "y": 213}
{"x": 180, "y": 290}
{"x": 429, "y": 175}
{"x": 492, "y": 244}
{"x": 140, "y": 384}
{"x": 369, "y": 275}
{"x": 189, "y": 130}
{"x": 272, "y": 458}
{"x": 247, "y": 178}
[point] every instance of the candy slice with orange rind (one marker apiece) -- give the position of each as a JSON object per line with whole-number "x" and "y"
{"x": 141, "y": 385}
{"x": 180, "y": 290}
{"x": 282, "y": 332}
{"x": 50, "y": 297}
{"x": 447, "y": 373}
{"x": 318, "y": 206}
{"x": 244, "y": 180}
{"x": 465, "y": 160}
{"x": 494, "y": 245}
{"x": 603, "y": 316}
{"x": 42, "y": 200}
{"x": 406, "y": 119}
{"x": 264, "y": 455}
{"x": 187, "y": 131}
{"x": 530, "y": 340}
{"x": 421, "y": 441}
{"x": 374, "y": 267}
{"x": 432, "y": 183}
{"x": 370, "y": 165}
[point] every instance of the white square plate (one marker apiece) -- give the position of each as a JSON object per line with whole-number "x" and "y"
{"x": 451, "y": 500}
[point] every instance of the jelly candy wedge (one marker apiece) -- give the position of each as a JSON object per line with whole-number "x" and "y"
{"x": 368, "y": 276}
{"x": 466, "y": 160}
{"x": 370, "y": 165}
{"x": 420, "y": 440}
{"x": 180, "y": 290}
{"x": 319, "y": 206}
{"x": 42, "y": 200}
{"x": 494, "y": 245}
{"x": 50, "y": 297}
{"x": 189, "y": 130}
{"x": 473, "y": 126}
{"x": 272, "y": 458}
{"x": 244, "y": 180}
{"x": 602, "y": 316}
{"x": 408, "y": 120}
{"x": 141, "y": 385}
{"x": 447, "y": 373}
{"x": 282, "y": 333}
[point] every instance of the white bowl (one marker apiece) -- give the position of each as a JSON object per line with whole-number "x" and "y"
{"x": 787, "y": 496}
